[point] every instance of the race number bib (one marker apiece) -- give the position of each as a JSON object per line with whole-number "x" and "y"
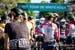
{"x": 23, "y": 43}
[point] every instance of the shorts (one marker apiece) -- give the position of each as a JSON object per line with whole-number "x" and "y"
{"x": 70, "y": 40}
{"x": 48, "y": 45}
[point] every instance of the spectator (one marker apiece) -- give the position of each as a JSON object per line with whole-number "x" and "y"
{"x": 3, "y": 36}
{"x": 29, "y": 25}
{"x": 18, "y": 32}
{"x": 31, "y": 20}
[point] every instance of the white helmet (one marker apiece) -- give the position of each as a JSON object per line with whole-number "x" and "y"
{"x": 63, "y": 20}
{"x": 42, "y": 20}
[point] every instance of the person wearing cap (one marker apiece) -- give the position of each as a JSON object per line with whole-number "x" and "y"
{"x": 17, "y": 32}
{"x": 50, "y": 32}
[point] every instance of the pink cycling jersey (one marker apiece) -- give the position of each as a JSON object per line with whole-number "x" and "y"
{"x": 48, "y": 29}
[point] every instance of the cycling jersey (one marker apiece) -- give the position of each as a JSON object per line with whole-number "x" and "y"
{"x": 48, "y": 29}
{"x": 72, "y": 30}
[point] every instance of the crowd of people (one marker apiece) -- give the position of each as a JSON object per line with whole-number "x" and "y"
{"x": 20, "y": 31}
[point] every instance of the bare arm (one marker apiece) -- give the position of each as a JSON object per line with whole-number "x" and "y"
{"x": 6, "y": 42}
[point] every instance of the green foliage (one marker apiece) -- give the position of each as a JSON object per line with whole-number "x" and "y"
{"x": 14, "y": 1}
{"x": 10, "y": 4}
{"x": 30, "y": 13}
{"x": 57, "y": 1}
{"x": 2, "y": 12}
{"x": 43, "y": 13}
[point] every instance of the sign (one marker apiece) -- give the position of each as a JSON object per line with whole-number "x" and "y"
{"x": 53, "y": 7}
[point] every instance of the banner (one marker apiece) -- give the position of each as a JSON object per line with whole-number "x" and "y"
{"x": 53, "y": 7}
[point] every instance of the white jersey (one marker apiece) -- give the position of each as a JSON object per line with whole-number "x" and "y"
{"x": 72, "y": 30}
{"x": 49, "y": 30}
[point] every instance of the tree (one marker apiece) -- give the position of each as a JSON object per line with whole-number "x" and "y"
{"x": 11, "y": 4}
{"x": 57, "y": 1}
{"x": 14, "y": 1}
{"x": 43, "y": 13}
{"x": 30, "y": 13}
